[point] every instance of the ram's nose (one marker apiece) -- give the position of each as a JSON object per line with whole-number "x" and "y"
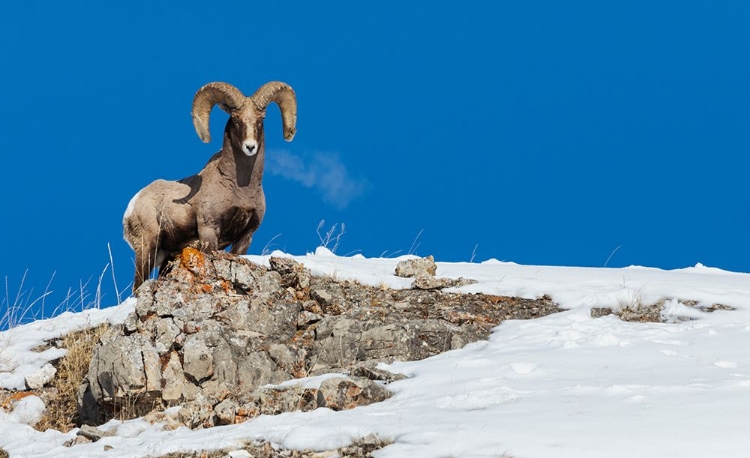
{"x": 250, "y": 147}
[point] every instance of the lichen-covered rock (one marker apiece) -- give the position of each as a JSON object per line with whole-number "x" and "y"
{"x": 198, "y": 360}
{"x": 424, "y": 282}
{"x": 336, "y": 393}
{"x": 347, "y": 393}
{"x": 226, "y": 412}
{"x": 423, "y": 271}
{"x": 421, "y": 267}
{"x": 215, "y": 331}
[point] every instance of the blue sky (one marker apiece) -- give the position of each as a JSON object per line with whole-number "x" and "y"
{"x": 555, "y": 133}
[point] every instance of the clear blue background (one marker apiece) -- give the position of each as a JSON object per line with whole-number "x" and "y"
{"x": 534, "y": 132}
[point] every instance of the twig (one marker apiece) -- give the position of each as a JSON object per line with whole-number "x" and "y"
{"x": 414, "y": 244}
{"x": 611, "y": 254}
{"x": 114, "y": 278}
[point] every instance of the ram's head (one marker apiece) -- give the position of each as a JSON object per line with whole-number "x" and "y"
{"x": 245, "y": 125}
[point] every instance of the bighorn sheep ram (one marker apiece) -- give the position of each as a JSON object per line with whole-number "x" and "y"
{"x": 224, "y": 203}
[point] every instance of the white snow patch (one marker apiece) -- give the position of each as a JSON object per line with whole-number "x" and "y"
{"x": 307, "y": 382}
{"x": 18, "y": 361}
{"x": 674, "y": 310}
{"x": 523, "y": 368}
{"x": 27, "y": 411}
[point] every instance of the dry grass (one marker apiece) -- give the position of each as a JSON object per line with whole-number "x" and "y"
{"x": 62, "y": 406}
{"x": 362, "y": 448}
{"x": 134, "y": 407}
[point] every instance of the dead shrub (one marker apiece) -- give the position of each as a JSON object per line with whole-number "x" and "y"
{"x": 61, "y": 412}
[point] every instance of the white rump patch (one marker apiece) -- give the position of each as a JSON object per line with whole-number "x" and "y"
{"x": 131, "y": 204}
{"x": 128, "y": 212}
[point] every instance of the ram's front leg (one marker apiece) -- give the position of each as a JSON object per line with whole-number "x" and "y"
{"x": 240, "y": 246}
{"x": 208, "y": 238}
{"x": 243, "y": 243}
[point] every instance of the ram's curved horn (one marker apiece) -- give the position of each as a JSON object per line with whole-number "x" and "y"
{"x": 227, "y": 96}
{"x": 283, "y": 95}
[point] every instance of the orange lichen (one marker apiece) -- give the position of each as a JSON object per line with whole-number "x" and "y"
{"x": 192, "y": 259}
{"x": 497, "y": 299}
{"x": 148, "y": 316}
{"x": 14, "y": 397}
{"x": 245, "y": 414}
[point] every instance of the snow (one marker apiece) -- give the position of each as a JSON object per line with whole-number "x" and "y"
{"x": 18, "y": 361}
{"x": 308, "y": 382}
{"x": 27, "y": 411}
{"x": 565, "y": 385}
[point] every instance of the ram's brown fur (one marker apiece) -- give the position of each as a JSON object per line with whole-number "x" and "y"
{"x": 221, "y": 205}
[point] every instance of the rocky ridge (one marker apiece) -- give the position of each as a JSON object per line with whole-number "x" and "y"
{"x": 218, "y": 335}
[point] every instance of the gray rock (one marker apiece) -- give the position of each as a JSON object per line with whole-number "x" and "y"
{"x": 322, "y": 296}
{"x": 258, "y": 368}
{"x": 93, "y": 434}
{"x": 277, "y": 320}
{"x": 90, "y": 410}
{"x": 337, "y": 393}
{"x": 423, "y": 271}
{"x": 198, "y": 358}
{"x": 145, "y": 299}
{"x": 43, "y": 376}
{"x": 131, "y": 323}
{"x": 152, "y": 369}
{"x": 373, "y": 373}
{"x": 116, "y": 368}
{"x": 424, "y": 282}
{"x": 237, "y": 271}
{"x": 225, "y": 366}
{"x": 213, "y": 331}
{"x": 166, "y": 331}
{"x": 306, "y": 318}
{"x": 286, "y": 357}
{"x": 197, "y": 414}
{"x": 174, "y": 380}
{"x": 348, "y": 393}
{"x": 422, "y": 267}
{"x": 226, "y": 411}
{"x": 598, "y": 312}
{"x": 293, "y": 274}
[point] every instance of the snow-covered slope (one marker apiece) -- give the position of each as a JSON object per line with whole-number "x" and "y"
{"x": 565, "y": 385}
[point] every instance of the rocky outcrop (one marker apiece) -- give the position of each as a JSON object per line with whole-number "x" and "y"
{"x": 424, "y": 271}
{"x": 217, "y": 334}
{"x": 655, "y": 313}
